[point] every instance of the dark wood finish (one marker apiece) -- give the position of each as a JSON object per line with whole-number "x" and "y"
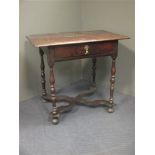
{"x": 112, "y": 82}
{"x": 78, "y": 51}
{"x": 42, "y": 67}
{"x": 72, "y": 51}
{"x": 79, "y": 99}
{"x": 62, "y": 109}
{"x": 68, "y": 38}
{"x": 77, "y": 45}
{"x": 55, "y": 113}
{"x": 94, "y": 70}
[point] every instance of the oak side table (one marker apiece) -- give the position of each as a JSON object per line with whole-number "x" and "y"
{"x": 76, "y": 45}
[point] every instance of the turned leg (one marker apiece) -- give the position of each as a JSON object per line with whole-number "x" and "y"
{"x": 55, "y": 113}
{"x": 93, "y": 70}
{"x": 42, "y": 67}
{"x": 112, "y": 82}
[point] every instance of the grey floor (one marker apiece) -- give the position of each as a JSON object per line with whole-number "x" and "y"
{"x": 83, "y": 131}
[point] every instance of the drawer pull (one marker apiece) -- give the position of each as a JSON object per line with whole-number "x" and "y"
{"x": 86, "y": 47}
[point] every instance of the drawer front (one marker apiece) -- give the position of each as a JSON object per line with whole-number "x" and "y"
{"x": 104, "y": 48}
{"x": 69, "y": 51}
{"x": 78, "y": 51}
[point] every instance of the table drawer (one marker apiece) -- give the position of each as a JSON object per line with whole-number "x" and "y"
{"x": 85, "y": 50}
{"x": 104, "y": 48}
{"x": 66, "y": 51}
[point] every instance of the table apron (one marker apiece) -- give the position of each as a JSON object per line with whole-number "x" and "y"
{"x": 84, "y": 50}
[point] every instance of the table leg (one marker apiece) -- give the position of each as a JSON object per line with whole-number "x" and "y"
{"x": 112, "y": 82}
{"x": 55, "y": 113}
{"x": 42, "y": 67}
{"x": 94, "y": 70}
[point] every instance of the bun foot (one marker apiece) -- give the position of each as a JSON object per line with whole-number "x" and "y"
{"x": 55, "y": 121}
{"x": 110, "y": 110}
{"x": 55, "y": 118}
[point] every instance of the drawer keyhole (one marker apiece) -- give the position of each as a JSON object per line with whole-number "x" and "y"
{"x": 86, "y": 47}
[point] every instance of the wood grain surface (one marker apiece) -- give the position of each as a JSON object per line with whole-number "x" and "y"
{"x": 63, "y": 38}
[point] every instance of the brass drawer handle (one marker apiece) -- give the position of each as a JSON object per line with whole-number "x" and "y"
{"x": 86, "y": 47}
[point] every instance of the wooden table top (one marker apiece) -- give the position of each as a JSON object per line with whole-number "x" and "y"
{"x": 64, "y": 38}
